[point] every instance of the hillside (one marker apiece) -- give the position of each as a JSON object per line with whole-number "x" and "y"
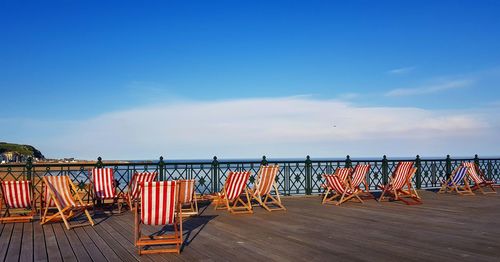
{"x": 24, "y": 150}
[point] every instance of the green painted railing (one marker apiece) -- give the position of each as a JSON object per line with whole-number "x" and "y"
{"x": 295, "y": 177}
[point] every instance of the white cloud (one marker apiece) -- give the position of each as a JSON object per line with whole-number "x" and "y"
{"x": 401, "y": 71}
{"x": 423, "y": 90}
{"x": 277, "y": 127}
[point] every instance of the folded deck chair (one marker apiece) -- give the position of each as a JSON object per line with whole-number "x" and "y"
{"x": 18, "y": 201}
{"x": 359, "y": 178}
{"x": 62, "y": 193}
{"x": 230, "y": 196}
{"x": 133, "y": 192}
{"x": 104, "y": 188}
{"x": 187, "y": 198}
{"x": 266, "y": 182}
{"x": 159, "y": 206}
{"x": 457, "y": 182}
{"x": 395, "y": 189}
{"x": 340, "y": 188}
{"x": 478, "y": 179}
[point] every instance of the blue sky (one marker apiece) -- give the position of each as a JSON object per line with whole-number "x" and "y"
{"x": 68, "y": 64}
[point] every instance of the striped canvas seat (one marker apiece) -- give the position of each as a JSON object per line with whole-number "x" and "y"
{"x": 359, "y": 175}
{"x": 342, "y": 172}
{"x": 60, "y": 188}
{"x": 104, "y": 183}
{"x": 135, "y": 185}
{"x": 337, "y": 184}
{"x": 340, "y": 188}
{"x": 458, "y": 177}
{"x": 457, "y": 182}
{"x": 262, "y": 192}
{"x": 159, "y": 206}
{"x": 479, "y": 181}
{"x": 187, "y": 197}
{"x": 235, "y": 185}
{"x": 17, "y": 194}
{"x": 402, "y": 177}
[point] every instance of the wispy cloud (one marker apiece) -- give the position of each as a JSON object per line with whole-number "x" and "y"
{"x": 401, "y": 70}
{"x": 277, "y": 127}
{"x": 433, "y": 88}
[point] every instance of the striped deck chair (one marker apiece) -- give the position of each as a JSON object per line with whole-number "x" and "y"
{"x": 62, "y": 193}
{"x": 230, "y": 196}
{"x": 395, "y": 189}
{"x": 133, "y": 192}
{"x": 17, "y": 197}
{"x": 187, "y": 197}
{"x": 457, "y": 182}
{"x": 359, "y": 178}
{"x": 266, "y": 182}
{"x": 340, "y": 188}
{"x": 159, "y": 206}
{"x": 478, "y": 179}
{"x": 104, "y": 188}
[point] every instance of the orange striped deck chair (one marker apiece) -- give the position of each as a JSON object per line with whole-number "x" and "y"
{"x": 134, "y": 188}
{"x": 265, "y": 184}
{"x": 18, "y": 202}
{"x": 187, "y": 197}
{"x": 339, "y": 186}
{"x": 159, "y": 206}
{"x": 62, "y": 193}
{"x": 478, "y": 179}
{"x": 457, "y": 182}
{"x": 230, "y": 196}
{"x": 104, "y": 188}
{"x": 359, "y": 178}
{"x": 395, "y": 189}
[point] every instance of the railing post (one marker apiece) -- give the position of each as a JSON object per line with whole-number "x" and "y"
{"x": 348, "y": 162}
{"x": 448, "y": 167}
{"x": 308, "y": 175}
{"x": 29, "y": 168}
{"x": 161, "y": 165}
{"x": 418, "y": 165}
{"x": 385, "y": 170}
{"x": 99, "y": 162}
{"x": 215, "y": 175}
{"x": 264, "y": 161}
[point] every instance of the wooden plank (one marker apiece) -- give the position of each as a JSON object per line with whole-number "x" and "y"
{"x": 15, "y": 243}
{"x": 27, "y": 244}
{"x": 65, "y": 247}
{"x": 53, "y": 253}
{"x": 106, "y": 251}
{"x": 39, "y": 249}
{"x": 77, "y": 246}
{"x": 115, "y": 241}
{"x": 5, "y": 240}
{"x": 89, "y": 245}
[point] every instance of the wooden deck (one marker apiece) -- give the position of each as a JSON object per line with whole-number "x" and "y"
{"x": 445, "y": 228}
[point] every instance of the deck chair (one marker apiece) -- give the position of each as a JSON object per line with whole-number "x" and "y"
{"x": 457, "y": 182}
{"x": 479, "y": 181}
{"x": 340, "y": 188}
{"x": 17, "y": 198}
{"x": 159, "y": 206}
{"x": 133, "y": 192}
{"x": 359, "y": 178}
{"x": 395, "y": 189}
{"x": 266, "y": 182}
{"x": 230, "y": 196}
{"x": 187, "y": 197}
{"x": 62, "y": 193}
{"x": 104, "y": 188}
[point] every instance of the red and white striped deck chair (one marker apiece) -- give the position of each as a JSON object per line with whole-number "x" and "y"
{"x": 18, "y": 201}
{"x": 395, "y": 189}
{"x": 265, "y": 184}
{"x": 478, "y": 179}
{"x": 134, "y": 188}
{"x": 340, "y": 188}
{"x": 187, "y": 197}
{"x": 230, "y": 196}
{"x": 63, "y": 194}
{"x": 457, "y": 182}
{"x": 359, "y": 178}
{"x": 104, "y": 188}
{"x": 159, "y": 206}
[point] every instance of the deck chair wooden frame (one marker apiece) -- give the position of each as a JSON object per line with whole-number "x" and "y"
{"x": 230, "y": 197}
{"x": 265, "y": 184}
{"x": 104, "y": 189}
{"x": 341, "y": 189}
{"x": 17, "y": 203}
{"x": 359, "y": 178}
{"x": 167, "y": 213}
{"x": 63, "y": 193}
{"x": 395, "y": 189}
{"x": 479, "y": 180}
{"x": 455, "y": 181}
{"x": 187, "y": 197}
{"x": 134, "y": 188}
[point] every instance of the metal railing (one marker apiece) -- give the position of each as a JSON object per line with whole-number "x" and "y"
{"x": 295, "y": 177}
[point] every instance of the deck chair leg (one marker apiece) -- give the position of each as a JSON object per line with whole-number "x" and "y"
{"x": 325, "y": 197}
